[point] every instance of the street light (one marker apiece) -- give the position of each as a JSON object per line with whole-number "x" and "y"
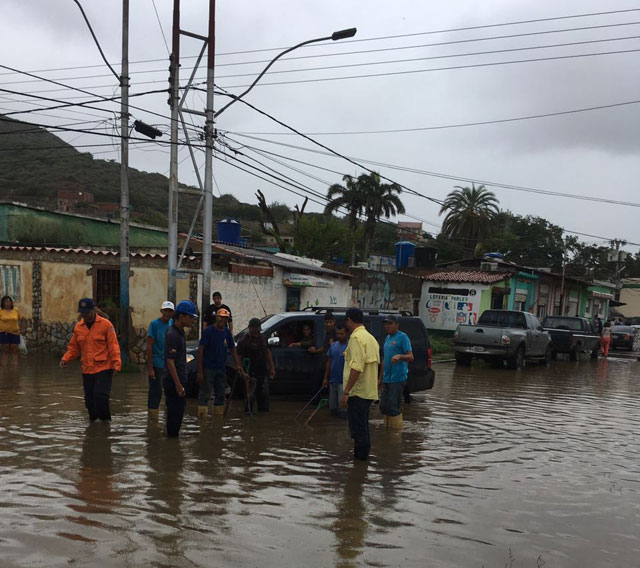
{"x": 335, "y": 36}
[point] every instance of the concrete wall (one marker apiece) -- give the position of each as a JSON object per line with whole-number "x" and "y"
{"x": 630, "y": 295}
{"x": 63, "y": 284}
{"x": 147, "y": 291}
{"x": 384, "y": 290}
{"x": 339, "y": 295}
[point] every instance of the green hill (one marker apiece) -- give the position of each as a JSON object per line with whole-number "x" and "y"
{"x": 35, "y": 164}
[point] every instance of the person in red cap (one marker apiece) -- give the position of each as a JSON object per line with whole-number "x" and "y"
{"x": 94, "y": 341}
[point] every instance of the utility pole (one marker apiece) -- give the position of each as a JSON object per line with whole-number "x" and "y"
{"x": 209, "y": 132}
{"x": 174, "y": 102}
{"x": 124, "y": 187}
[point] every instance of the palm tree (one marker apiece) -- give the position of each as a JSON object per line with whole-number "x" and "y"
{"x": 382, "y": 200}
{"x": 351, "y": 198}
{"x": 469, "y": 214}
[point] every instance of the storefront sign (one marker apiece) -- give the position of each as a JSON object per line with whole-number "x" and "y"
{"x": 305, "y": 281}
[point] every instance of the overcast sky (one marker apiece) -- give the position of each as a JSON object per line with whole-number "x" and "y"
{"x": 589, "y": 153}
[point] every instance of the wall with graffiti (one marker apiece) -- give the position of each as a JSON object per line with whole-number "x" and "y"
{"x": 385, "y": 291}
{"x": 444, "y": 306}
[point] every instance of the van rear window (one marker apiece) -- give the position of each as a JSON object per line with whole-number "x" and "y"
{"x": 503, "y": 319}
{"x": 414, "y": 328}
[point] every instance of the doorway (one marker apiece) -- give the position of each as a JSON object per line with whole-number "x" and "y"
{"x": 293, "y": 300}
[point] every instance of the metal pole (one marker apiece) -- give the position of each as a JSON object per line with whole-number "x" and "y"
{"x": 174, "y": 100}
{"x": 124, "y": 187}
{"x": 207, "y": 212}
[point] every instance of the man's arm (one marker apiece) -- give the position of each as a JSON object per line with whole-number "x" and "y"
{"x": 236, "y": 358}
{"x": 114, "y": 348}
{"x": 150, "y": 370}
{"x": 171, "y": 367}
{"x": 327, "y": 370}
{"x": 73, "y": 350}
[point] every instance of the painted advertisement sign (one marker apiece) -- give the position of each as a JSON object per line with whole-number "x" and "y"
{"x": 445, "y": 311}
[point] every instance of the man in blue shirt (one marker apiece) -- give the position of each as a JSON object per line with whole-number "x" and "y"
{"x": 393, "y": 372}
{"x": 155, "y": 357}
{"x": 334, "y": 370}
{"x": 216, "y": 340}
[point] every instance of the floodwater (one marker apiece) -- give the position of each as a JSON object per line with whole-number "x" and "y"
{"x": 494, "y": 468}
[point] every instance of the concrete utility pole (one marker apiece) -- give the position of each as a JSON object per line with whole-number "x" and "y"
{"x": 124, "y": 187}
{"x": 209, "y": 132}
{"x": 174, "y": 101}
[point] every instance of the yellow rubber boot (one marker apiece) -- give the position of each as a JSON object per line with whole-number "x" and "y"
{"x": 395, "y": 422}
{"x": 154, "y": 414}
{"x": 218, "y": 410}
{"x": 203, "y": 412}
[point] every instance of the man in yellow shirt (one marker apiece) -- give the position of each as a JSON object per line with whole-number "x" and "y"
{"x": 360, "y": 380}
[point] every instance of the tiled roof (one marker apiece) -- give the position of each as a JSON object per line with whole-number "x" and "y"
{"x": 85, "y": 251}
{"x": 472, "y": 276}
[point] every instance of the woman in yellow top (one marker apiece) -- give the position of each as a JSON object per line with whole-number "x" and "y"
{"x": 9, "y": 331}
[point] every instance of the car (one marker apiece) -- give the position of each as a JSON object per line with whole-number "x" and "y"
{"x": 299, "y": 372}
{"x": 502, "y": 335}
{"x": 622, "y": 336}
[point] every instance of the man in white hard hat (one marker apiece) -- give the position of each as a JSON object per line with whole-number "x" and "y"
{"x": 155, "y": 356}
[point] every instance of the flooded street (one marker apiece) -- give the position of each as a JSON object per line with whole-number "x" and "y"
{"x": 493, "y": 468}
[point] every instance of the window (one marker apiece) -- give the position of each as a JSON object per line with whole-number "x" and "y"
{"x": 542, "y": 311}
{"x": 10, "y": 281}
{"x": 503, "y": 319}
{"x": 293, "y": 331}
{"x": 106, "y": 292}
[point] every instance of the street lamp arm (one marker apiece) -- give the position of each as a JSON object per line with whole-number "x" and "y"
{"x": 335, "y": 36}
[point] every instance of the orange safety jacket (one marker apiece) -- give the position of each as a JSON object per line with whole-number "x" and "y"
{"x": 98, "y": 347}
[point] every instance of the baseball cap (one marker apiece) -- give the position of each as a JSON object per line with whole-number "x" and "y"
{"x": 223, "y": 313}
{"x": 85, "y": 305}
{"x": 254, "y": 323}
{"x": 390, "y": 319}
{"x": 167, "y": 306}
{"x": 187, "y": 307}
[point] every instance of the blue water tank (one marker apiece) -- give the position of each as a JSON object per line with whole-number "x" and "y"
{"x": 405, "y": 250}
{"x": 229, "y": 231}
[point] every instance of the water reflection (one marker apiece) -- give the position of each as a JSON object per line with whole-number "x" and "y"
{"x": 350, "y": 526}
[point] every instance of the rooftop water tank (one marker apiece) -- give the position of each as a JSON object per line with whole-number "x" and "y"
{"x": 229, "y": 231}
{"x": 405, "y": 251}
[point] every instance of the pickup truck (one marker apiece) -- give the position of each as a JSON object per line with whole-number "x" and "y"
{"x": 502, "y": 335}
{"x": 572, "y": 335}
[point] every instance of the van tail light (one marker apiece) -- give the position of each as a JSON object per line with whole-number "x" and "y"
{"x": 505, "y": 340}
{"x": 627, "y": 337}
{"x": 429, "y": 358}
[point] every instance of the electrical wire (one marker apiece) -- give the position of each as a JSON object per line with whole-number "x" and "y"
{"x": 153, "y": 2}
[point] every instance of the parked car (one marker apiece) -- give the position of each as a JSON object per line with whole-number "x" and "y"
{"x": 572, "y": 335}
{"x": 622, "y": 336}
{"x": 299, "y": 372}
{"x": 502, "y": 335}
{"x": 634, "y": 323}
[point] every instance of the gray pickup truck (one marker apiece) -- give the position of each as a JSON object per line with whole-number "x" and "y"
{"x": 572, "y": 335}
{"x": 502, "y": 335}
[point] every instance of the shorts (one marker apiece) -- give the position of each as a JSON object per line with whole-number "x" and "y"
{"x": 7, "y": 338}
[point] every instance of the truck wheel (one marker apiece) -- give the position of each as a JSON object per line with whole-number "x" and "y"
{"x": 595, "y": 351}
{"x": 463, "y": 359}
{"x": 517, "y": 360}
{"x": 573, "y": 354}
{"x": 554, "y": 354}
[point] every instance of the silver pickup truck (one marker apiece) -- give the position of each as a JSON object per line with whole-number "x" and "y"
{"x": 502, "y": 335}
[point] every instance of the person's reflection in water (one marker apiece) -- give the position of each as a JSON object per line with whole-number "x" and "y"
{"x": 166, "y": 478}
{"x": 351, "y": 526}
{"x": 95, "y": 483}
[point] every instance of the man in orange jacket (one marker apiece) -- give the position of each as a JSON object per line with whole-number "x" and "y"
{"x": 94, "y": 341}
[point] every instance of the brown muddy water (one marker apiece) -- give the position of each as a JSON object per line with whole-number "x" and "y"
{"x": 493, "y": 468}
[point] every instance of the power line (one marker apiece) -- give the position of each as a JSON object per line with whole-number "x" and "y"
{"x": 451, "y": 68}
{"x": 160, "y": 26}
{"x": 358, "y": 52}
{"x": 453, "y": 177}
{"x": 95, "y": 39}
{"x": 458, "y": 125}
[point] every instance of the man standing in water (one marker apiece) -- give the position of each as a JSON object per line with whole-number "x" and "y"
{"x": 155, "y": 357}
{"x": 175, "y": 378}
{"x": 393, "y": 372}
{"x": 253, "y": 346}
{"x": 94, "y": 341}
{"x": 334, "y": 370}
{"x": 360, "y": 380}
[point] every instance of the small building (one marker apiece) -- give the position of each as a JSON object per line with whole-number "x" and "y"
{"x": 409, "y": 231}
{"x": 68, "y": 199}
{"x": 630, "y": 297}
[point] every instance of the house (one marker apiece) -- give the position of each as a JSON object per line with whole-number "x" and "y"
{"x": 630, "y": 297}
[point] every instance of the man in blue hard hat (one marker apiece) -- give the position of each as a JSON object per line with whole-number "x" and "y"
{"x": 175, "y": 378}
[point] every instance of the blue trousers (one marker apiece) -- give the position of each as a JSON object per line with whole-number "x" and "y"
{"x": 97, "y": 392}
{"x": 358, "y": 415}
{"x": 155, "y": 389}
{"x": 175, "y": 405}
{"x": 214, "y": 380}
{"x": 391, "y": 398}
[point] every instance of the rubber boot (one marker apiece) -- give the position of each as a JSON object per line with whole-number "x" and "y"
{"x": 395, "y": 422}
{"x": 218, "y": 410}
{"x": 203, "y": 412}
{"x": 154, "y": 414}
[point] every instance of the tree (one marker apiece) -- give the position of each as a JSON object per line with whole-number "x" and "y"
{"x": 323, "y": 237}
{"x": 382, "y": 200}
{"x": 470, "y": 211}
{"x": 351, "y": 197}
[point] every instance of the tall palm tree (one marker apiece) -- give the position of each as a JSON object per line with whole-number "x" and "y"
{"x": 382, "y": 200}
{"x": 469, "y": 214}
{"x": 350, "y": 197}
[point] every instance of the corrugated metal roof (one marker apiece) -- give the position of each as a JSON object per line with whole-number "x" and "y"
{"x": 471, "y": 276}
{"x": 80, "y": 251}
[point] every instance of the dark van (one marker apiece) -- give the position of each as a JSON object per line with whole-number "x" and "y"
{"x": 299, "y": 372}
